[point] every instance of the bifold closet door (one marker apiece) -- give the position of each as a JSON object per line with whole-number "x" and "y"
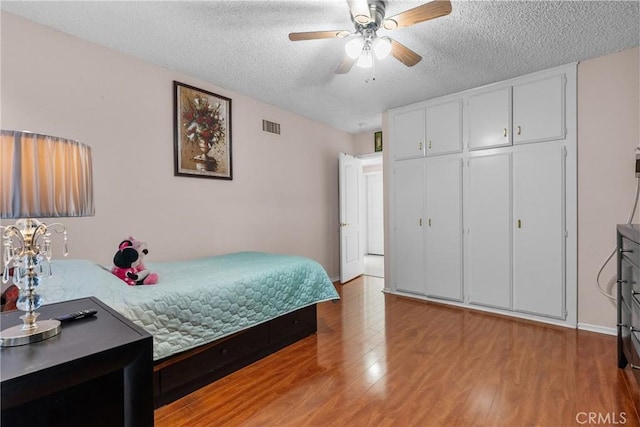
{"x": 539, "y": 231}
{"x": 408, "y": 213}
{"x": 489, "y": 223}
{"x": 443, "y": 228}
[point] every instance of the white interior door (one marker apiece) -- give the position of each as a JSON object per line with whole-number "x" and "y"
{"x": 351, "y": 189}
{"x": 375, "y": 215}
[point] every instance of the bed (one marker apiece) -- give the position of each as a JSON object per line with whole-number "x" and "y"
{"x": 208, "y": 316}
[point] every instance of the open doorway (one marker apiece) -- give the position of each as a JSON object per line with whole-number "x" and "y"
{"x": 374, "y": 215}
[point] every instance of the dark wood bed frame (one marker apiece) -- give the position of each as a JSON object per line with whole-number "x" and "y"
{"x": 183, "y": 373}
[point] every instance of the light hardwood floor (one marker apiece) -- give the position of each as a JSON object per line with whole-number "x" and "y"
{"x": 383, "y": 360}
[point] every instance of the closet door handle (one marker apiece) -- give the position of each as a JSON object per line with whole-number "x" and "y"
{"x": 504, "y": 132}
{"x": 519, "y": 130}
{"x": 519, "y": 223}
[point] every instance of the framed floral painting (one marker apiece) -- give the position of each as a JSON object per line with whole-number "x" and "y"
{"x": 202, "y": 133}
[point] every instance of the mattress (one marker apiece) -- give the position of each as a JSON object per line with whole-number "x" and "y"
{"x": 200, "y": 300}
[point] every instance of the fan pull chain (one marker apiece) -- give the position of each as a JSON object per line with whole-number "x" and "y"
{"x": 373, "y": 67}
{"x": 373, "y": 70}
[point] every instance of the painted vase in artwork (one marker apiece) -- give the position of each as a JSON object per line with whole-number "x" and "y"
{"x": 203, "y": 161}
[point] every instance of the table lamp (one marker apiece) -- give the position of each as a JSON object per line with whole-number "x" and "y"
{"x": 40, "y": 177}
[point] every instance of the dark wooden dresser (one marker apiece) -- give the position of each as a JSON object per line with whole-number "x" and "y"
{"x": 97, "y": 372}
{"x": 629, "y": 297}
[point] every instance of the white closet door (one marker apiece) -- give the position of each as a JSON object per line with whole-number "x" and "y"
{"x": 489, "y": 223}
{"x": 408, "y": 134}
{"x": 444, "y": 128}
{"x": 538, "y": 110}
{"x": 408, "y": 214}
{"x": 443, "y": 231}
{"x": 490, "y": 119}
{"x": 539, "y": 231}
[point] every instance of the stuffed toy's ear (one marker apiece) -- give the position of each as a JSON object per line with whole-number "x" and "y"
{"x": 125, "y": 244}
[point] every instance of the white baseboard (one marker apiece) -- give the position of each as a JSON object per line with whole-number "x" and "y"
{"x": 599, "y": 329}
{"x": 334, "y": 279}
{"x": 512, "y": 314}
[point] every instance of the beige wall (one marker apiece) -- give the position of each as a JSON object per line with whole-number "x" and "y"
{"x": 284, "y": 192}
{"x": 608, "y": 133}
{"x": 363, "y": 143}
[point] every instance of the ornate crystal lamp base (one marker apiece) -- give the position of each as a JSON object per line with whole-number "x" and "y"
{"x": 15, "y": 336}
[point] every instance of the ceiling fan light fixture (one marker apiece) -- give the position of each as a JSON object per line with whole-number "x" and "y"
{"x": 354, "y": 47}
{"x": 389, "y": 24}
{"x": 365, "y": 60}
{"x": 369, "y": 16}
{"x": 362, "y": 19}
{"x": 382, "y": 47}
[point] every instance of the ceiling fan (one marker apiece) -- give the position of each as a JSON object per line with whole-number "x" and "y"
{"x": 368, "y": 16}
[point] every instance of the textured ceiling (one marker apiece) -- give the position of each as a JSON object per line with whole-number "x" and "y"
{"x": 243, "y": 46}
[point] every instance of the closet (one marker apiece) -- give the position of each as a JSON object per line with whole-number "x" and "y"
{"x": 516, "y": 230}
{"x": 428, "y": 227}
{"x": 483, "y": 197}
{"x": 517, "y": 114}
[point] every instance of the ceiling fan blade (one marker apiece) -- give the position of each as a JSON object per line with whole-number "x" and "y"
{"x": 314, "y": 35}
{"x": 434, "y": 9}
{"x": 404, "y": 54}
{"x": 346, "y": 65}
{"x": 360, "y": 11}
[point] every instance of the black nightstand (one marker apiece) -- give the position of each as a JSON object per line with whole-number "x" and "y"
{"x": 97, "y": 372}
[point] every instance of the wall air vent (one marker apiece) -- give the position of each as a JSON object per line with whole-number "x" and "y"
{"x": 271, "y": 127}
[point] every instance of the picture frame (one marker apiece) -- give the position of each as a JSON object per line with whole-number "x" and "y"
{"x": 377, "y": 141}
{"x": 202, "y": 133}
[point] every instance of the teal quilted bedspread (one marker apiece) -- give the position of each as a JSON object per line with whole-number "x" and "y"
{"x": 201, "y": 300}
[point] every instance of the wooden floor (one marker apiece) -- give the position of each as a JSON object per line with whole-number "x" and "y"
{"x": 383, "y": 360}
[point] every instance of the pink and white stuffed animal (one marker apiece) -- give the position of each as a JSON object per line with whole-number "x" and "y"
{"x": 129, "y": 263}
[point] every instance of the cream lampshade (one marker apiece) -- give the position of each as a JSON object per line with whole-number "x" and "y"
{"x": 40, "y": 177}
